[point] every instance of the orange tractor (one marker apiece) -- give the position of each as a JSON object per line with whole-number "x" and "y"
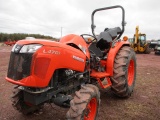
{"x": 68, "y": 72}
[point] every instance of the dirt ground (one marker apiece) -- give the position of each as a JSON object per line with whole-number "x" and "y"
{"x": 144, "y": 104}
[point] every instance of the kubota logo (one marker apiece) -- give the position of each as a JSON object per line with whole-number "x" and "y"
{"x": 51, "y": 52}
{"x": 78, "y": 58}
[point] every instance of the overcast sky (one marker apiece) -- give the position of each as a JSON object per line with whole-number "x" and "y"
{"x": 49, "y": 17}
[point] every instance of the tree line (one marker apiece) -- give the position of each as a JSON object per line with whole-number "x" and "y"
{"x": 19, "y": 36}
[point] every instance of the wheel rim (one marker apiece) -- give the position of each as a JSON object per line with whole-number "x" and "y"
{"x": 91, "y": 109}
{"x": 131, "y": 72}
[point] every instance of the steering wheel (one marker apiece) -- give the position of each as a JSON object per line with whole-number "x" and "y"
{"x": 88, "y": 42}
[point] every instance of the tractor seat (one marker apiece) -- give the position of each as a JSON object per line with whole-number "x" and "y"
{"x": 107, "y": 36}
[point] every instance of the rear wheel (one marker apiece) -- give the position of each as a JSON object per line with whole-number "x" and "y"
{"x": 123, "y": 80}
{"x": 19, "y": 104}
{"x": 85, "y": 104}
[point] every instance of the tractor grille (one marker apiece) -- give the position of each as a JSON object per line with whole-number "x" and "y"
{"x": 19, "y": 65}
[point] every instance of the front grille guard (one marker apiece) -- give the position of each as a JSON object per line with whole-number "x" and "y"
{"x": 19, "y": 65}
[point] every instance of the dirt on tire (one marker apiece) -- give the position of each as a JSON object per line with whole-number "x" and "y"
{"x": 85, "y": 103}
{"x": 122, "y": 66}
{"x": 142, "y": 105}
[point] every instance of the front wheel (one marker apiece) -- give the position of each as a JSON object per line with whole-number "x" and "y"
{"x": 19, "y": 104}
{"x": 85, "y": 104}
{"x": 124, "y": 75}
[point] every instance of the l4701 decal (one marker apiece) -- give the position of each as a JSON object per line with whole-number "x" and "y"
{"x": 51, "y": 52}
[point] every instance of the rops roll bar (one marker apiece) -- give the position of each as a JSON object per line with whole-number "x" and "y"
{"x": 106, "y": 8}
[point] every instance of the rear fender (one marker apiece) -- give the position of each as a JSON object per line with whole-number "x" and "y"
{"x": 112, "y": 54}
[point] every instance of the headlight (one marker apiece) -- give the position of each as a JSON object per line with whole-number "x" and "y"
{"x": 30, "y": 48}
{"x": 16, "y": 48}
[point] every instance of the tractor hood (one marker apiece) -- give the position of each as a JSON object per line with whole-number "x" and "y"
{"x": 69, "y": 40}
{"x": 38, "y": 41}
{"x": 76, "y": 41}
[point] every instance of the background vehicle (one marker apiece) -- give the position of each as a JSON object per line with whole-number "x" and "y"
{"x": 51, "y": 72}
{"x": 157, "y": 48}
{"x": 139, "y": 43}
{"x": 153, "y": 44}
{"x": 10, "y": 43}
